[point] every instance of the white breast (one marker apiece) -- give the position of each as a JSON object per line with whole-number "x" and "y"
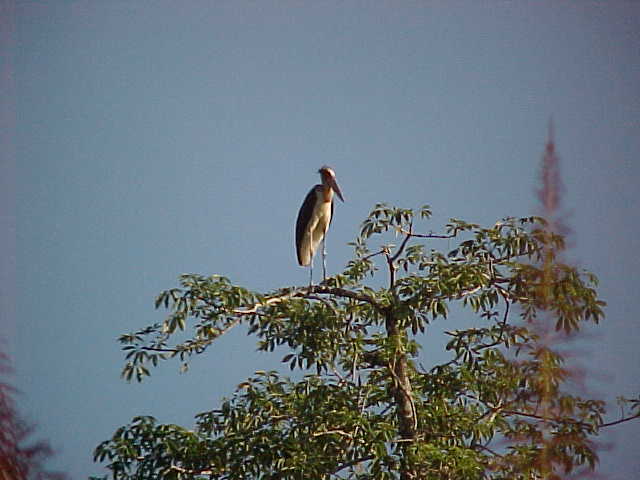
{"x": 316, "y": 229}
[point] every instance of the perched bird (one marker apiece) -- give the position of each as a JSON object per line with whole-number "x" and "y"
{"x": 314, "y": 219}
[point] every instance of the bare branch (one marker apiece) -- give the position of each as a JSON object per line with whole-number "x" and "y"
{"x": 158, "y": 349}
{"x": 392, "y": 270}
{"x": 352, "y": 463}
{"x": 339, "y": 292}
{"x": 371, "y": 255}
{"x": 425, "y": 235}
{"x": 622, "y": 420}
{"x": 331, "y": 432}
{"x": 270, "y": 301}
{"x": 189, "y": 471}
{"x": 408, "y": 235}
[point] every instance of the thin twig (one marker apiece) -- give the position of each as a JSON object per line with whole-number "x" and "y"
{"x": 622, "y": 420}
{"x": 330, "y": 432}
{"x": 425, "y": 235}
{"x": 192, "y": 471}
{"x": 408, "y": 235}
{"x": 371, "y": 255}
{"x": 547, "y": 418}
{"x": 266, "y": 303}
{"x": 337, "y": 374}
{"x": 339, "y": 292}
{"x": 352, "y": 463}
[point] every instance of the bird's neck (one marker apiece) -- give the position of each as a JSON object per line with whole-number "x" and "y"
{"x": 327, "y": 193}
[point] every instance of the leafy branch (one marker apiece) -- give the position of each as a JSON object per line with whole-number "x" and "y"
{"x": 363, "y": 408}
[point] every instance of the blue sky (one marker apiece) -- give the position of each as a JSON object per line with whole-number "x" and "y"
{"x": 150, "y": 139}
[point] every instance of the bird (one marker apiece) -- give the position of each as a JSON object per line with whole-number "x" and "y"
{"x": 314, "y": 219}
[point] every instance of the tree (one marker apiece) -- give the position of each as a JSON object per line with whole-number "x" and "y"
{"x": 365, "y": 407}
{"x": 20, "y": 458}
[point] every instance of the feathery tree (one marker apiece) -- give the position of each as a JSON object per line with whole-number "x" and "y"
{"x": 366, "y": 408}
{"x": 21, "y": 458}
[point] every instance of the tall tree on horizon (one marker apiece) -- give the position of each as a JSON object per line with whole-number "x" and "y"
{"x": 20, "y": 458}
{"x": 552, "y": 330}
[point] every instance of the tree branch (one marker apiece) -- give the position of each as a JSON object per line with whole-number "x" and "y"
{"x": 425, "y": 235}
{"x": 339, "y": 292}
{"x": 188, "y": 471}
{"x": 331, "y": 432}
{"x": 352, "y": 463}
{"x": 552, "y": 419}
{"x": 408, "y": 235}
{"x": 622, "y": 420}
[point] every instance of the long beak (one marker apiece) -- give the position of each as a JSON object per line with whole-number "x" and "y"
{"x": 334, "y": 186}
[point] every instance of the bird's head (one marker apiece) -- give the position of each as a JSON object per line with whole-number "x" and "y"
{"x": 329, "y": 179}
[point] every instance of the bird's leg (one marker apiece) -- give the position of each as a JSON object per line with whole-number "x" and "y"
{"x": 324, "y": 261}
{"x": 311, "y": 273}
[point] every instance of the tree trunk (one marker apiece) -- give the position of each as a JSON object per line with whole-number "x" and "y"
{"x": 403, "y": 396}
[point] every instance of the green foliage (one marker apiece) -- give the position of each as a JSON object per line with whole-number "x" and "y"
{"x": 364, "y": 410}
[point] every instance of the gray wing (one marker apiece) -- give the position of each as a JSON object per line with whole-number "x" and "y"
{"x": 304, "y": 216}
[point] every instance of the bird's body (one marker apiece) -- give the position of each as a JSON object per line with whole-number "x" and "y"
{"x": 315, "y": 216}
{"x": 313, "y": 222}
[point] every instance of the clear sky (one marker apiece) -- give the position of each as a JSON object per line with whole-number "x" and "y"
{"x": 147, "y": 139}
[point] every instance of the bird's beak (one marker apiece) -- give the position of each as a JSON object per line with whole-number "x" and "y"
{"x": 334, "y": 186}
